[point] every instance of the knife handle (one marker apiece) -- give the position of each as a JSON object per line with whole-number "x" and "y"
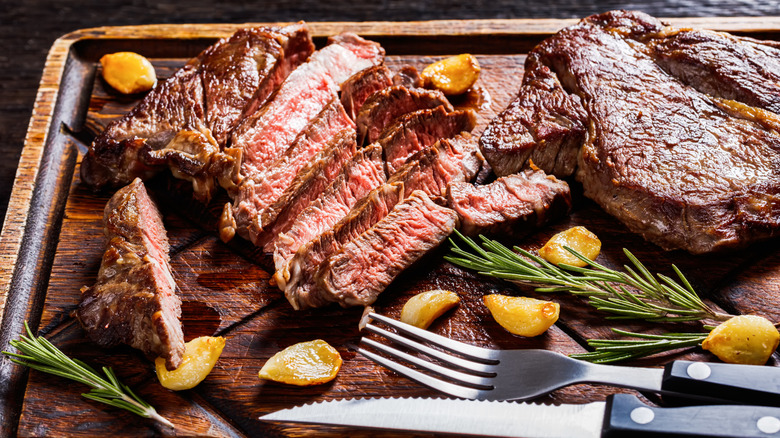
{"x": 626, "y": 416}
{"x": 751, "y": 384}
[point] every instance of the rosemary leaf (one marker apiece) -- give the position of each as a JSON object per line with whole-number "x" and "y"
{"x": 40, "y": 354}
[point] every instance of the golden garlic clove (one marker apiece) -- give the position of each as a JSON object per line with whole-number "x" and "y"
{"x": 743, "y": 339}
{"x": 303, "y": 364}
{"x": 577, "y": 238}
{"x": 200, "y": 356}
{"x": 522, "y": 316}
{"x": 453, "y": 75}
{"x": 422, "y": 309}
{"x": 128, "y": 72}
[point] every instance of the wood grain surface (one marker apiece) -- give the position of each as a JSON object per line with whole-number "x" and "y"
{"x": 52, "y": 244}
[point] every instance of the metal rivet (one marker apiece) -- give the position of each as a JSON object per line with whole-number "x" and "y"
{"x": 699, "y": 370}
{"x": 768, "y": 424}
{"x": 642, "y": 415}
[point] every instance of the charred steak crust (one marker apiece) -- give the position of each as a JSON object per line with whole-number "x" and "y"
{"x": 134, "y": 300}
{"x": 364, "y": 267}
{"x": 511, "y": 205}
{"x": 362, "y": 85}
{"x": 675, "y": 160}
{"x": 184, "y": 122}
{"x": 420, "y": 129}
{"x": 386, "y": 105}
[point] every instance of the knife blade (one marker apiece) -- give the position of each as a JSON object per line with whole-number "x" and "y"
{"x": 622, "y": 415}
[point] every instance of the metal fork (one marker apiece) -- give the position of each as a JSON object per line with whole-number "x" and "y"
{"x": 488, "y": 374}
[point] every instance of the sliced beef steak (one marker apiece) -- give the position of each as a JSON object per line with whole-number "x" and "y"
{"x": 184, "y": 122}
{"x": 298, "y": 278}
{"x": 364, "y": 172}
{"x": 256, "y": 194}
{"x": 384, "y": 106}
{"x": 420, "y": 129}
{"x": 362, "y": 85}
{"x": 431, "y": 169}
{"x": 681, "y": 163}
{"x": 364, "y": 267}
{"x": 134, "y": 300}
{"x": 265, "y": 135}
{"x": 511, "y": 205}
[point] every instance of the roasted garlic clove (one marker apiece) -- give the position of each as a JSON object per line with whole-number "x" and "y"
{"x": 200, "y": 356}
{"x": 743, "y": 339}
{"x": 453, "y": 75}
{"x": 422, "y": 309}
{"x": 577, "y": 238}
{"x": 128, "y": 72}
{"x": 303, "y": 364}
{"x": 522, "y": 316}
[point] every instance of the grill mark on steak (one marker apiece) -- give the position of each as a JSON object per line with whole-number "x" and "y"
{"x": 364, "y": 267}
{"x": 134, "y": 300}
{"x": 420, "y": 129}
{"x": 431, "y": 169}
{"x": 307, "y": 186}
{"x": 511, "y": 205}
{"x": 384, "y": 106}
{"x": 297, "y": 280}
{"x": 264, "y": 188}
{"x": 266, "y": 134}
{"x": 668, "y": 161}
{"x": 364, "y": 172}
{"x": 183, "y": 122}
{"x": 362, "y": 85}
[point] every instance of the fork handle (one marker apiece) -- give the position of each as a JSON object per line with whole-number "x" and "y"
{"x": 752, "y": 384}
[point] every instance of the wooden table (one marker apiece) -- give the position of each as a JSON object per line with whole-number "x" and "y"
{"x": 251, "y": 312}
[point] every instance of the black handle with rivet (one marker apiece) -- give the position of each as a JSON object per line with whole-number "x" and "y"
{"x": 750, "y": 384}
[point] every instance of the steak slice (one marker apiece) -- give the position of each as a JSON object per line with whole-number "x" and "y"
{"x": 134, "y": 300}
{"x": 364, "y": 267}
{"x": 297, "y": 279}
{"x": 384, "y": 106}
{"x": 362, "y": 85}
{"x": 511, "y": 205}
{"x": 420, "y": 129}
{"x": 364, "y": 172}
{"x": 265, "y": 135}
{"x": 307, "y": 186}
{"x": 682, "y": 168}
{"x": 433, "y": 168}
{"x": 183, "y": 123}
{"x": 256, "y": 194}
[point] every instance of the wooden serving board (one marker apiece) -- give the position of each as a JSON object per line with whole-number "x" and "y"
{"x": 52, "y": 243}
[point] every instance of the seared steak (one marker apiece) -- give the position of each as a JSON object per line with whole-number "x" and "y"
{"x": 678, "y": 156}
{"x": 408, "y": 77}
{"x": 384, "y": 106}
{"x": 134, "y": 300}
{"x": 307, "y": 186}
{"x": 362, "y": 85}
{"x": 257, "y": 193}
{"x": 511, "y": 205}
{"x": 419, "y": 129}
{"x": 364, "y": 172}
{"x": 431, "y": 169}
{"x": 298, "y": 278}
{"x": 364, "y": 267}
{"x": 184, "y": 122}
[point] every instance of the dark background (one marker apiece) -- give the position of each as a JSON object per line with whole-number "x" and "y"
{"x": 29, "y": 27}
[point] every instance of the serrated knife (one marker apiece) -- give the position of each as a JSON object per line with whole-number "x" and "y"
{"x": 622, "y": 415}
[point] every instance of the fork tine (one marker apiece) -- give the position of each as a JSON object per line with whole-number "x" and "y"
{"x": 431, "y": 382}
{"x": 470, "y": 351}
{"x": 476, "y": 367}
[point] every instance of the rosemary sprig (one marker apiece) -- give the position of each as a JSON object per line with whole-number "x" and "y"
{"x": 42, "y": 355}
{"x": 614, "y": 350}
{"x": 633, "y": 294}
